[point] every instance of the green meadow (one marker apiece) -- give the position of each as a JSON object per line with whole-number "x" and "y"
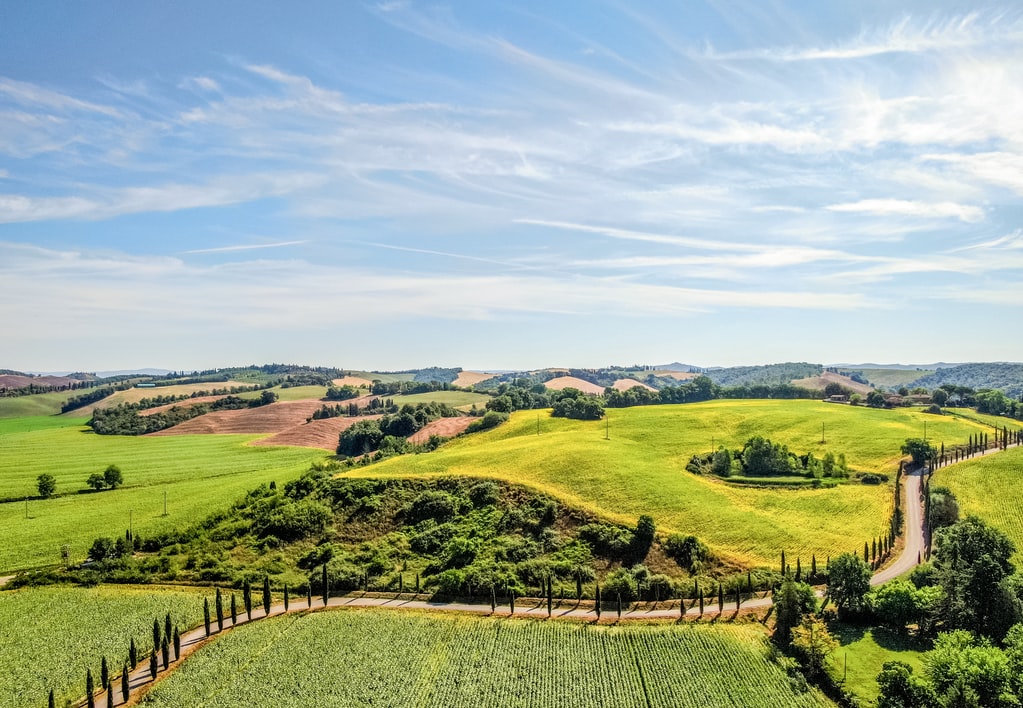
{"x": 36, "y": 404}
{"x": 863, "y": 651}
{"x": 634, "y": 463}
{"x": 455, "y": 399}
{"x": 199, "y": 474}
{"x": 990, "y": 487}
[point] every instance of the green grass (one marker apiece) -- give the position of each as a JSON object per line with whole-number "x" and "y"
{"x": 297, "y": 393}
{"x": 37, "y": 404}
{"x": 455, "y": 399}
{"x": 990, "y": 487}
{"x": 200, "y": 474}
{"x": 864, "y": 651}
{"x": 641, "y": 470}
{"x": 389, "y": 658}
{"x": 381, "y": 377}
{"x": 52, "y": 635}
{"x": 892, "y": 378}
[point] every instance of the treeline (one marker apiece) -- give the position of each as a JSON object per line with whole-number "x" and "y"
{"x": 342, "y": 393}
{"x": 374, "y": 406}
{"x": 388, "y": 435}
{"x": 84, "y": 399}
{"x": 124, "y": 419}
{"x": 1003, "y": 376}
{"x": 402, "y": 388}
{"x": 759, "y": 457}
{"x": 567, "y": 403}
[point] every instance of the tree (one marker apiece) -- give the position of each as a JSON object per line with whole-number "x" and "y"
{"x": 96, "y": 481}
{"x": 205, "y": 615}
{"x": 943, "y": 509}
{"x": 220, "y": 611}
{"x": 919, "y": 449}
{"x": 899, "y": 688}
{"x": 875, "y": 399}
{"x": 792, "y": 602}
{"x": 721, "y": 464}
{"x": 688, "y": 551}
{"x": 266, "y": 595}
{"x": 848, "y": 582}
{"x": 247, "y": 597}
{"x": 133, "y": 654}
{"x": 643, "y": 538}
{"x": 103, "y": 549}
{"x": 968, "y": 671}
{"x": 813, "y": 643}
{"x": 104, "y": 672}
{"x": 90, "y": 688}
{"x": 939, "y": 396}
{"x": 125, "y": 684}
{"x": 112, "y": 476}
{"x": 894, "y": 604}
{"x": 154, "y": 666}
{"x": 46, "y": 484}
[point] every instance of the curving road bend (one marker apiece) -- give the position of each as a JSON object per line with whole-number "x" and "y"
{"x": 914, "y": 546}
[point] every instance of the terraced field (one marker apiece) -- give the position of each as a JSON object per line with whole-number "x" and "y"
{"x": 387, "y": 658}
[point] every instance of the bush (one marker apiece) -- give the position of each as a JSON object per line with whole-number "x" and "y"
{"x": 620, "y": 583}
{"x": 688, "y": 551}
{"x": 291, "y": 521}
{"x": 491, "y": 419}
{"x": 484, "y": 494}
{"x": 433, "y": 505}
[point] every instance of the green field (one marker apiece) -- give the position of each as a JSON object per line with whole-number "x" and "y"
{"x": 52, "y": 635}
{"x": 388, "y": 658}
{"x": 641, "y": 469}
{"x": 381, "y": 377}
{"x": 864, "y": 651}
{"x": 296, "y": 393}
{"x": 455, "y": 399}
{"x": 200, "y": 474}
{"x": 37, "y": 404}
{"x": 992, "y": 488}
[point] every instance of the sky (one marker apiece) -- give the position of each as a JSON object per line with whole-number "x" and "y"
{"x": 509, "y": 185}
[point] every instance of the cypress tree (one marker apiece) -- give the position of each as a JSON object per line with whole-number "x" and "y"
{"x": 619, "y": 605}
{"x": 550, "y": 595}
{"x": 326, "y": 587}
{"x": 309, "y": 595}
{"x": 125, "y": 684}
{"x": 511, "y": 601}
{"x": 799, "y": 570}
{"x": 206, "y": 614}
{"x": 133, "y": 654}
{"x": 783, "y": 566}
{"x": 156, "y": 635}
{"x": 266, "y": 595}
{"x": 220, "y": 611}
{"x": 90, "y": 688}
{"x": 493, "y": 599}
{"x": 701, "y": 604}
{"x": 167, "y": 627}
{"x": 285, "y": 597}
{"x": 578, "y": 586}
{"x": 813, "y": 566}
{"x": 866, "y": 552}
{"x": 749, "y": 582}
{"x": 401, "y": 583}
{"x": 165, "y": 651}
{"x": 247, "y": 598}
{"x": 52, "y": 701}
{"x": 104, "y": 672}
{"x": 873, "y": 550}
{"x": 234, "y": 610}
{"x": 177, "y": 643}
{"x": 596, "y": 602}
{"x": 110, "y": 696}
{"x": 153, "y": 666}
{"x": 721, "y": 598}
{"x": 738, "y": 596}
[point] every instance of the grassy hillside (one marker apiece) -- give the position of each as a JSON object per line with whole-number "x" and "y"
{"x": 455, "y": 399}
{"x": 891, "y": 378}
{"x": 52, "y": 635}
{"x": 37, "y": 404}
{"x": 199, "y": 474}
{"x": 640, "y": 470}
{"x": 992, "y": 488}
{"x": 472, "y": 661}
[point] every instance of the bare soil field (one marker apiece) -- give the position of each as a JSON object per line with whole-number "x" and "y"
{"x": 626, "y": 384}
{"x": 356, "y": 381}
{"x": 819, "y": 382}
{"x": 471, "y": 378}
{"x": 188, "y": 402}
{"x": 445, "y": 427}
{"x": 274, "y": 418}
{"x": 14, "y": 381}
{"x": 316, "y": 433}
{"x": 563, "y": 382}
{"x": 134, "y": 395}
{"x": 677, "y": 375}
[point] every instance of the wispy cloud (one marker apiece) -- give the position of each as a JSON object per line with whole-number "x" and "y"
{"x": 245, "y": 247}
{"x": 902, "y": 207}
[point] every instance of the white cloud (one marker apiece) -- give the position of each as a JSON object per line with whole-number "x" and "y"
{"x": 902, "y": 207}
{"x": 245, "y": 247}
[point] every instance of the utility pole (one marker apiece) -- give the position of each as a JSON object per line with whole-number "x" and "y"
{"x": 607, "y": 428}
{"x": 538, "y": 425}
{"x": 165, "y": 502}
{"x": 822, "y": 433}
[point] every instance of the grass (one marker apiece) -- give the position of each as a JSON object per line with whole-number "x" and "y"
{"x": 864, "y": 651}
{"x": 404, "y": 658}
{"x": 52, "y": 635}
{"x": 455, "y": 399}
{"x": 991, "y": 488}
{"x": 382, "y": 377}
{"x": 199, "y": 475}
{"x": 641, "y": 470}
{"x": 36, "y": 404}
{"x": 297, "y": 393}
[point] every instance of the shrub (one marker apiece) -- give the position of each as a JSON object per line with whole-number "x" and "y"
{"x": 620, "y": 583}
{"x": 688, "y": 551}
{"x": 433, "y": 505}
{"x": 291, "y": 521}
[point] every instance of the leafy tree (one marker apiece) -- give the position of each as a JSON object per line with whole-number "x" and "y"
{"x": 103, "y": 549}
{"x": 643, "y": 538}
{"x": 848, "y": 582}
{"x": 919, "y": 450}
{"x": 112, "y": 476}
{"x": 96, "y": 481}
{"x": 971, "y": 560}
{"x": 46, "y": 484}
{"x": 899, "y": 688}
{"x": 943, "y": 509}
{"x": 968, "y": 671}
{"x": 792, "y": 602}
{"x": 875, "y": 399}
{"x": 895, "y": 604}
{"x": 621, "y": 582}
{"x": 722, "y": 463}
{"x": 813, "y": 643}
{"x": 939, "y": 396}
{"x": 762, "y": 458}
{"x": 688, "y": 551}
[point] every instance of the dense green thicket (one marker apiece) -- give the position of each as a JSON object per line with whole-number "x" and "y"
{"x": 759, "y": 457}
{"x": 389, "y": 433}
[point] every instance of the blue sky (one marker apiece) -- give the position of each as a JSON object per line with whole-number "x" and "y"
{"x": 509, "y": 185}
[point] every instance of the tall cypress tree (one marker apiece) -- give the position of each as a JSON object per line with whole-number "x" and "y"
{"x": 721, "y": 598}
{"x": 799, "y": 570}
{"x": 165, "y": 651}
{"x": 511, "y": 602}
{"x": 167, "y": 627}
{"x": 247, "y": 598}
{"x": 783, "y": 566}
{"x": 104, "y": 672}
{"x": 285, "y": 597}
{"x": 206, "y": 614}
{"x": 52, "y": 701}
{"x": 177, "y": 643}
{"x": 234, "y": 610}
{"x": 266, "y": 595}
{"x": 326, "y": 587}
{"x": 866, "y": 552}
{"x": 133, "y": 653}
{"x": 596, "y": 604}
{"x": 220, "y": 611}
{"x": 309, "y": 594}
{"x": 619, "y": 605}
{"x": 153, "y": 666}
{"x": 125, "y": 683}
{"x": 156, "y": 634}
{"x": 550, "y": 595}
{"x": 90, "y": 688}
{"x": 110, "y": 696}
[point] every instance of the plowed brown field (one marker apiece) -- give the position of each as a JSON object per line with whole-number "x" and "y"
{"x": 356, "y": 381}
{"x": 445, "y": 427}
{"x": 471, "y": 378}
{"x": 626, "y": 384}
{"x": 273, "y": 418}
{"x": 316, "y": 433}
